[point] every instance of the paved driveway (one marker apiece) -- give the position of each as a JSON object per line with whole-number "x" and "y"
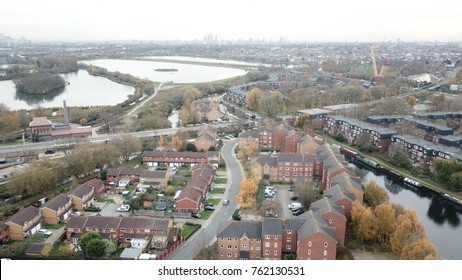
{"x": 283, "y": 196}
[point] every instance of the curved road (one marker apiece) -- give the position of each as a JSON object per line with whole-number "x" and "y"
{"x": 207, "y": 234}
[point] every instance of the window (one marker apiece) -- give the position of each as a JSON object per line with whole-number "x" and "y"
{"x": 229, "y": 239}
{"x": 330, "y": 221}
{"x": 267, "y": 244}
{"x": 244, "y": 244}
{"x": 288, "y": 247}
{"x": 289, "y": 239}
{"x": 266, "y": 252}
{"x": 230, "y": 246}
{"x": 289, "y": 232}
{"x": 325, "y": 244}
{"x": 276, "y": 237}
{"x": 222, "y": 246}
{"x": 275, "y": 252}
{"x": 229, "y": 254}
{"x": 267, "y": 237}
{"x": 310, "y": 243}
{"x": 309, "y": 252}
{"x": 325, "y": 252}
{"x": 275, "y": 244}
{"x": 221, "y": 254}
{"x": 235, "y": 246}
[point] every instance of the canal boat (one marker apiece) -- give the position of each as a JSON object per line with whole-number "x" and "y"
{"x": 411, "y": 182}
{"x": 367, "y": 162}
{"x": 452, "y": 199}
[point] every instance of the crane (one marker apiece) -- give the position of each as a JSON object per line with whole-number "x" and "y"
{"x": 378, "y": 76}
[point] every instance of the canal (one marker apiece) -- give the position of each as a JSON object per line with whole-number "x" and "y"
{"x": 440, "y": 218}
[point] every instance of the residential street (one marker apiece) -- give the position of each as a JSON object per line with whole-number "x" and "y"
{"x": 207, "y": 234}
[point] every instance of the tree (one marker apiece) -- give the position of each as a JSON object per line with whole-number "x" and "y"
{"x": 95, "y": 247}
{"x": 374, "y": 194}
{"x": 411, "y": 101}
{"x": 255, "y": 172}
{"x": 191, "y": 147}
{"x": 385, "y": 213}
{"x": 270, "y": 207}
{"x": 249, "y": 186}
{"x": 253, "y": 98}
{"x": 245, "y": 200}
{"x": 302, "y": 121}
{"x": 24, "y": 120}
{"x": 83, "y": 121}
{"x": 408, "y": 230}
{"x": 34, "y": 180}
{"x": 421, "y": 249}
{"x": 127, "y": 145}
{"x": 169, "y": 190}
{"x": 306, "y": 192}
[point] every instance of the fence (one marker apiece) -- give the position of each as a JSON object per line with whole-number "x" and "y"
{"x": 161, "y": 214}
{"x": 171, "y": 249}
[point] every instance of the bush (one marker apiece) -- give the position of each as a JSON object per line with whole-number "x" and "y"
{"x": 237, "y": 215}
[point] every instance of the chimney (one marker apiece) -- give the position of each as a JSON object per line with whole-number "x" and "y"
{"x": 66, "y": 113}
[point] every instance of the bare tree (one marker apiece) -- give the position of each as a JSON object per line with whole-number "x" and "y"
{"x": 128, "y": 145}
{"x": 307, "y": 192}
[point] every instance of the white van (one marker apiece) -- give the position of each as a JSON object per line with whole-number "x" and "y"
{"x": 295, "y": 205}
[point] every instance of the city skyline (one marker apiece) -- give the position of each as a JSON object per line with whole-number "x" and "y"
{"x": 295, "y": 20}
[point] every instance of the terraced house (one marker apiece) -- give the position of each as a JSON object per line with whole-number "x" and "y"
{"x": 57, "y": 209}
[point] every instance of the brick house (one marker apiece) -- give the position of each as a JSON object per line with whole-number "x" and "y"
{"x": 57, "y": 209}
{"x": 189, "y": 200}
{"x": 207, "y": 110}
{"x": 122, "y": 229}
{"x": 157, "y": 179}
{"x": 115, "y": 174}
{"x": 341, "y": 197}
{"x": 84, "y": 195}
{"x": 169, "y": 158}
{"x": 317, "y": 117}
{"x": 247, "y": 138}
{"x": 271, "y": 239}
{"x": 307, "y": 145}
{"x": 308, "y": 236}
{"x": 40, "y": 126}
{"x": 333, "y": 214}
{"x": 350, "y": 184}
{"x": 291, "y": 142}
{"x": 206, "y": 138}
{"x": 239, "y": 240}
{"x": 24, "y": 223}
{"x": 200, "y": 184}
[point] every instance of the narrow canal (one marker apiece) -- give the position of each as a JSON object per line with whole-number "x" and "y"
{"x": 440, "y": 218}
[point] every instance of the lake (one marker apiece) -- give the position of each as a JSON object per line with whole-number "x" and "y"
{"x": 186, "y": 74}
{"x": 87, "y": 90}
{"x": 83, "y": 90}
{"x": 208, "y": 60}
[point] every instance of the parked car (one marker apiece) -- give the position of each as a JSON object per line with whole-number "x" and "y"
{"x": 124, "y": 208}
{"x": 209, "y": 207}
{"x": 226, "y": 202}
{"x": 49, "y": 151}
{"x": 93, "y": 208}
{"x": 294, "y": 197}
{"x": 196, "y": 215}
{"x": 174, "y": 168}
{"x": 298, "y": 212}
{"x": 44, "y": 232}
{"x": 77, "y": 214}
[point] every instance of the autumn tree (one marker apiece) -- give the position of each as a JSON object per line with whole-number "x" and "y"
{"x": 271, "y": 104}
{"x": 255, "y": 172}
{"x": 385, "y": 213}
{"x": 247, "y": 191}
{"x": 374, "y": 194}
{"x": 180, "y": 140}
{"x": 411, "y": 101}
{"x": 421, "y": 249}
{"x": 307, "y": 192}
{"x": 127, "y": 145}
{"x": 34, "y": 180}
{"x": 365, "y": 223}
{"x": 271, "y": 207}
{"x": 408, "y": 230}
{"x": 83, "y": 121}
{"x": 253, "y": 98}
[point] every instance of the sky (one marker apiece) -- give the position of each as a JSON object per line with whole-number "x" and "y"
{"x": 294, "y": 20}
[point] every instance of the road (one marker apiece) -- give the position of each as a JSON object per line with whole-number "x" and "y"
{"x": 206, "y": 236}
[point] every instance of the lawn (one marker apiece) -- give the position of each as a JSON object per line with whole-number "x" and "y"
{"x": 50, "y": 226}
{"x": 133, "y": 162}
{"x": 222, "y": 168}
{"x": 106, "y": 200}
{"x": 188, "y": 229}
{"x": 221, "y": 180}
{"x": 217, "y": 191}
{"x": 260, "y": 195}
{"x": 214, "y": 201}
{"x": 183, "y": 168}
{"x": 206, "y": 214}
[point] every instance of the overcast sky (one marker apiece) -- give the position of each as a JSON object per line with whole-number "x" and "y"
{"x": 295, "y": 20}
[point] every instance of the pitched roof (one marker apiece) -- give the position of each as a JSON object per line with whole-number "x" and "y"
{"x": 24, "y": 215}
{"x": 271, "y": 161}
{"x": 143, "y": 222}
{"x": 35, "y": 248}
{"x": 325, "y": 205}
{"x": 234, "y": 229}
{"x": 39, "y": 121}
{"x": 344, "y": 181}
{"x": 153, "y": 174}
{"x": 81, "y": 190}
{"x": 57, "y": 202}
{"x": 190, "y": 193}
{"x": 249, "y": 134}
{"x": 336, "y": 193}
{"x": 76, "y": 222}
{"x": 103, "y": 222}
{"x": 198, "y": 183}
{"x": 314, "y": 224}
{"x": 272, "y": 226}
